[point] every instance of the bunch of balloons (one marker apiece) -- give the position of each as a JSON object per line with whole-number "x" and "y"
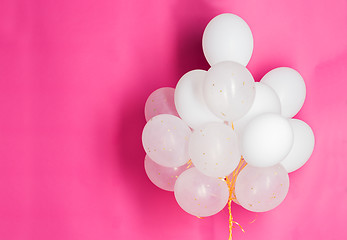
{"x": 220, "y": 124}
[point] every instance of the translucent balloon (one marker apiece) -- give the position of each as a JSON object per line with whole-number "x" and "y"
{"x": 265, "y": 101}
{"x": 290, "y": 88}
{"x": 190, "y": 102}
{"x": 214, "y": 149}
{"x": 229, "y": 90}
{"x": 165, "y": 140}
{"x": 199, "y": 194}
{"x": 163, "y": 177}
{"x": 302, "y": 147}
{"x": 266, "y": 140}
{"x": 161, "y": 101}
{"x": 261, "y": 189}
{"x": 227, "y": 37}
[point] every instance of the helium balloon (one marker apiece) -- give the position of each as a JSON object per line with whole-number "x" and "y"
{"x": 163, "y": 177}
{"x": 200, "y": 195}
{"x": 229, "y": 90}
{"x": 227, "y": 37}
{"x": 165, "y": 140}
{"x": 214, "y": 150}
{"x": 261, "y": 189}
{"x": 302, "y": 147}
{"x": 266, "y": 140}
{"x": 290, "y": 88}
{"x": 189, "y": 100}
{"x": 265, "y": 101}
{"x": 161, "y": 101}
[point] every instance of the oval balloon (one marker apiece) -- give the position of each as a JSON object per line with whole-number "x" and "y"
{"x": 227, "y": 37}
{"x": 229, "y": 90}
{"x": 200, "y": 195}
{"x": 266, "y": 140}
{"x": 290, "y": 88}
{"x": 165, "y": 140}
{"x": 163, "y": 177}
{"x": 261, "y": 189}
{"x": 214, "y": 149}
{"x": 161, "y": 101}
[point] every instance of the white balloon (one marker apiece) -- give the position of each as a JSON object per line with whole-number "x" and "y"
{"x": 227, "y": 37}
{"x": 165, "y": 139}
{"x": 290, "y": 88}
{"x": 266, "y": 140}
{"x": 214, "y": 149}
{"x": 200, "y": 195}
{"x": 189, "y": 100}
{"x": 265, "y": 101}
{"x": 229, "y": 90}
{"x": 302, "y": 147}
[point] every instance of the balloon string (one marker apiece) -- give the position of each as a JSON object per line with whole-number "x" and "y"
{"x": 254, "y": 219}
{"x": 230, "y": 220}
{"x": 189, "y": 163}
{"x": 229, "y": 124}
{"x": 231, "y": 185}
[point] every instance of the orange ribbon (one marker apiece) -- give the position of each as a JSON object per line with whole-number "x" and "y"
{"x": 231, "y": 185}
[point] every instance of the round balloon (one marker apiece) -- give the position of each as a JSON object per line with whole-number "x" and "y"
{"x": 266, "y": 140}
{"x": 189, "y": 100}
{"x": 227, "y": 37}
{"x": 290, "y": 88}
{"x": 261, "y": 189}
{"x": 165, "y": 140}
{"x": 229, "y": 90}
{"x": 302, "y": 147}
{"x": 265, "y": 101}
{"x": 163, "y": 177}
{"x": 161, "y": 101}
{"x": 200, "y": 195}
{"x": 214, "y": 149}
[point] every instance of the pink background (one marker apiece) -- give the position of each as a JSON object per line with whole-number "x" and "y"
{"x": 74, "y": 77}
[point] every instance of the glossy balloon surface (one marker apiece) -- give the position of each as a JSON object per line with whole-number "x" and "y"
{"x": 200, "y": 195}
{"x": 165, "y": 139}
{"x": 229, "y": 90}
{"x": 261, "y": 189}
{"x": 227, "y": 37}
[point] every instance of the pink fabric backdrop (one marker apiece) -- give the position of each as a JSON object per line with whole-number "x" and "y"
{"x": 74, "y": 77}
